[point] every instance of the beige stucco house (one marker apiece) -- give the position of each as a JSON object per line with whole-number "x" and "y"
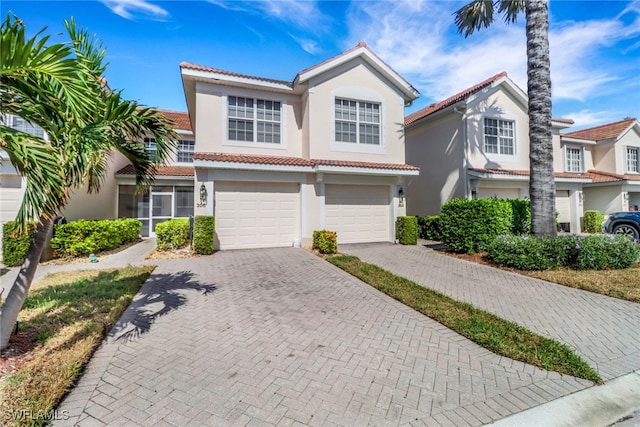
{"x": 277, "y": 159}
{"x": 610, "y": 155}
{"x": 171, "y": 195}
{"x": 476, "y": 144}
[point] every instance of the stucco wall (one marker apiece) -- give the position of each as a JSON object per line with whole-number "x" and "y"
{"x": 355, "y": 80}
{"x": 437, "y": 148}
{"x": 498, "y": 104}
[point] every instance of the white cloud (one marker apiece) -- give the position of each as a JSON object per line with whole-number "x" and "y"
{"x": 300, "y": 14}
{"x": 588, "y": 118}
{"x": 420, "y": 41}
{"x": 308, "y": 45}
{"x": 131, "y": 9}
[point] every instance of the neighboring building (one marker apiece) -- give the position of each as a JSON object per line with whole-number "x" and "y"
{"x": 12, "y": 184}
{"x": 276, "y": 160}
{"x": 475, "y": 144}
{"x": 171, "y": 195}
{"x": 610, "y": 154}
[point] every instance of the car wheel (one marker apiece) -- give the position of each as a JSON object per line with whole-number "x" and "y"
{"x": 627, "y": 230}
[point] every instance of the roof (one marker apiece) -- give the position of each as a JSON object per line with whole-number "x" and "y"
{"x": 516, "y": 172}
{"x": 161, "y": 171}
{"x": 600, "y": 177}
{"x": 602, "y": 132}
{"x": 297, "y": 161}
{"x": 460, "y": 96}
{"x": 180, "y": 119}
{"x": 196, "y": 67}
{"x": 360, "y": 50}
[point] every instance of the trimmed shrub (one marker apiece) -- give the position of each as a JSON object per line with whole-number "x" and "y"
{"x": 407, "y": 230}
{"x": 521, "y": 209}
{"x": 527, "y": 253}
{"x": 471, "y": 225}
{"x": 603, "y": 252}
{"x": 593, "y": 221}
{"x": 597, "y": 252}
{"x": 429, "y": 227}
{"x": 325, "y": 241}
{"x": 82, "y": 237}
{"x": 172, "y": 234}
{"x": 15, "y": 246}
{"x": 204, "y": 228}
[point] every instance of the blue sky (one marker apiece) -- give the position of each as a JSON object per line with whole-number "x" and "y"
{"x": 595, "y": 45}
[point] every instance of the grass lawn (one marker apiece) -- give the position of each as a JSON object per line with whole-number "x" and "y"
{"x": 63, "y": 321}
{"x": 622, "y": 284}
{"x": 488, "y": 330}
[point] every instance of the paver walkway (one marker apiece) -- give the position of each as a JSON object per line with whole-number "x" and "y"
{"x": 603, "y": 330}
{"x": 281, "y": 337}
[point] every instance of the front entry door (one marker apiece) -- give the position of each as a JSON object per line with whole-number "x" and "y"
{"x": 161, "y": 208}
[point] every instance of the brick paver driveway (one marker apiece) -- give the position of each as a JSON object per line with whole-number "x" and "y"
{"x": 281, "y": 337}
{"x": 604, "y": 331}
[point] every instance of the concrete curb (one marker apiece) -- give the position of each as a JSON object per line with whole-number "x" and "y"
{"x": 596, "y": 406}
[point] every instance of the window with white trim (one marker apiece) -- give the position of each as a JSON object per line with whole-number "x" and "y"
{"x": 186, "y": 149}
{"x": 499, "y": 137}
{"x": 150, "y": 147}
{"x": 632, "y": 160}
{"x": 573, "y": 158}
{"x": 254, "y": 120}
{"x": 22, "y": 125}
{"x": 357, "y": 122}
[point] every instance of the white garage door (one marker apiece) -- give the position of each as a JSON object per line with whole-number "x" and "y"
{"x": 256, "y": 214}
{"x": 500, "y": 193}
{"x": 358, "y": 213}
{"x": 563, "y": 207}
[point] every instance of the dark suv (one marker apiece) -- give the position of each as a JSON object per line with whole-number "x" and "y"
{"x": 627, "y": 223}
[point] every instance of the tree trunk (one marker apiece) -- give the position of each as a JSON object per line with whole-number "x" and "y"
{"x": 18, "y": 293}
{"x": 542, "y": 188}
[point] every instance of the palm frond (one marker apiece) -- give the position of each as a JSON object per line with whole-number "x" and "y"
{"x": 474, "y": 16}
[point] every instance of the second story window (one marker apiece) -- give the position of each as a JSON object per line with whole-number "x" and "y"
{"x": 499, "y": 137}
{"x": 254, "y": 120}
{"x": 186, "y": 149}
{"x": 573, "y": 159}
{"x": 150, "y": 147}
{"x": 632, "y": 160}
{"x": 357, "y": 122}
{"x": 22, "y": 125}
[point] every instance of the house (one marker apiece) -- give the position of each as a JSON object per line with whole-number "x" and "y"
{"x": 12, "y": 184}
{"x": 610, "y": 154}
{"x": 475, "y": 144}
{"x": 277, "y": 159}
{"x": 171, "y": 196}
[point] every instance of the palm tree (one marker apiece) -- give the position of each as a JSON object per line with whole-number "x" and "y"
{"x": 61, "y": 88}
{"x": 480, "y": 14}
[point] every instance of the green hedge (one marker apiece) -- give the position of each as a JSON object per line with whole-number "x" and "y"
{"x": 172, "y": 234}
{"x": 593, "y": 221}
{"x": 471, "y": 225}
{"x": 325, "y": 241}
{"x": 521, "y": 209}
{"x": 15, "y": 246}
{"x": 595, "y": 252}
{"x": 429, "y": 227}
{"x": 82, "y": 237}
{"x": 204, "y": 228}
{"x": 407, "y": 230}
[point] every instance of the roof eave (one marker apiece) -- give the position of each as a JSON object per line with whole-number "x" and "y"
{"x": 410, "y": 93}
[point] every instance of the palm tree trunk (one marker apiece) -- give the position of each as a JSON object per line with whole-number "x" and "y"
{"x": 18, "y": 293}
{"x": 542, "y": 188}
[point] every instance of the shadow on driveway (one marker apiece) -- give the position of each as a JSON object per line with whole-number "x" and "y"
{"x": 160, "y": 295}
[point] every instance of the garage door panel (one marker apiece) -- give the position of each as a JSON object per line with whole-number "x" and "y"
{"x": 358, "y": 213}
{"x": 256, "y": 214}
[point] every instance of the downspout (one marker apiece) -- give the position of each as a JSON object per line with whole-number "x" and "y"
{"x": 465, "y": 159}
